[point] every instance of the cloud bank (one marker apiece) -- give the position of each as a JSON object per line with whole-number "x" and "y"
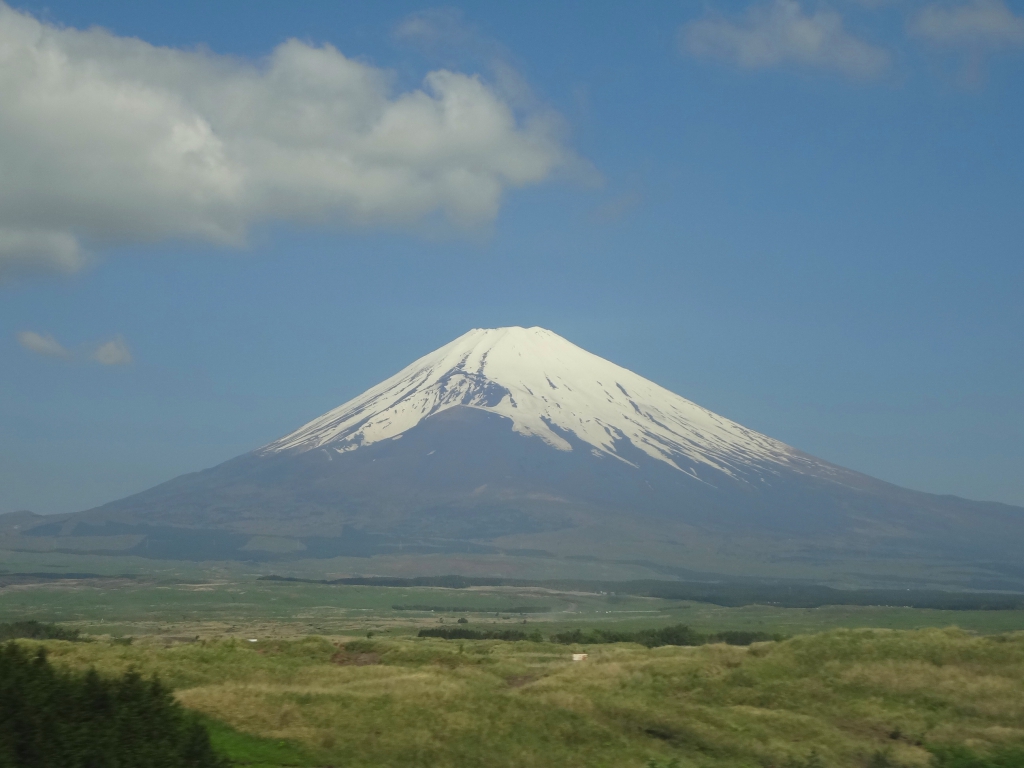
{"x": 977, "y": 24}
{"x": 781, "y": 33}
{"x": 110, "y": 139}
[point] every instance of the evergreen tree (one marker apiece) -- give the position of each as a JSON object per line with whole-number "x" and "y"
{"x": 52, "y": 719}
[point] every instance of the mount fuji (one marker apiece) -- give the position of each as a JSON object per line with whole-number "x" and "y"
{"x": 512, "y": 448}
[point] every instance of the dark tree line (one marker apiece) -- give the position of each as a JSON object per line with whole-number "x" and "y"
{"x": 55, "y": 719}
{"x": 463, "y": 633}
{"x": 36, "y": 630}
{"x": 679, "y": 634}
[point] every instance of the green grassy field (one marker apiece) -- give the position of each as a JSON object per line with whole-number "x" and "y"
{"x": 845, "y": 698}
{"x": 314, "y": 690}
{"x": 243, "y": 606}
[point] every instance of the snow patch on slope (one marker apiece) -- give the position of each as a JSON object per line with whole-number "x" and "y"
{"x": 545, "y": 386}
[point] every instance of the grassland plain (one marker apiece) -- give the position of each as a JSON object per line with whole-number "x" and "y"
{"x": 241, "y": 605}
{"x": 315, "y": 691}
{"x": 848, "y": 698}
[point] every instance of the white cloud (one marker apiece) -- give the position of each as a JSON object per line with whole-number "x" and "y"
{"x": 42, "y": 344}
{"x": 976, "y": 24}
{"x": 110, "y": 139}
{"x": 781, "y": 33}
{"x": 113, "y": 352}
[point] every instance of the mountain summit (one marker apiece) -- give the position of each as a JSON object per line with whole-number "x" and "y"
{"x": 547, "y": 388}
{"x": 513, "y": 451}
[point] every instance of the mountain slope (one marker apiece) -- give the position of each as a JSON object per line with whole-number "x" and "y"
{"x": 515, "y": 443}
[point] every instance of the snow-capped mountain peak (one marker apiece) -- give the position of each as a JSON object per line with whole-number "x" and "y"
{"x": 548, "y": 388}
{"x": 510, "y": 450}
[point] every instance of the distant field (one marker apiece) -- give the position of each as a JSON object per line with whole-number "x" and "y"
{"x": 287, "y": 609}
{"x": 842, "y": 699}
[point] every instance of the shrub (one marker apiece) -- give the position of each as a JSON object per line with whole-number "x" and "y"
{"x": 740, "y": 637}
{"x": 963, "y": 757}
{"x": 679, "y": 634}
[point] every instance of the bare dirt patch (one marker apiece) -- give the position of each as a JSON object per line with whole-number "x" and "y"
{"x": 518, "y": 681}
{"x": 350, "y": 659}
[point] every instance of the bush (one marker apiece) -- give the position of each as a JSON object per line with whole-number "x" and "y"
{"x": 679, "y": 634}
{"x": 963, "y": 757}
{"x": 739, "y": 637}
{"x": 52, "y": 719}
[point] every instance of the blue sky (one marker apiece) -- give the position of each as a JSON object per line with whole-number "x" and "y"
{"x": 805, "y": 216}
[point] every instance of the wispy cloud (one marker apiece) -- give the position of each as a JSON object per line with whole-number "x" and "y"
{"x": 42, "y": 344}
{"x": 782, "y": 33}
{"x": 875, "y": 4}
{"x": 617, "y": 208}
{"x": 442, "y": 28}
{"x": 976, "y": 24}
{"x": 110, "y": 139}
{"x": 113, "y": 352}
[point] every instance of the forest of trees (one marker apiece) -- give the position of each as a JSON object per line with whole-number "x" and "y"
{"x": 55, "y": 719}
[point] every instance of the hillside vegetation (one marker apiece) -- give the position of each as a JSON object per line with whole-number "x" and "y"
{"x": 840, "y": 699}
